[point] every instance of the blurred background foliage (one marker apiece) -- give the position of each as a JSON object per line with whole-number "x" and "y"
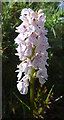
{"x": 12, "y": 108}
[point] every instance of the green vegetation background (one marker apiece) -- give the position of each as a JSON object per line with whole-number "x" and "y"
{"x": 12, "y": 108}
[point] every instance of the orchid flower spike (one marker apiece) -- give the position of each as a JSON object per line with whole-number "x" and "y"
{"x": 32, "y": 48}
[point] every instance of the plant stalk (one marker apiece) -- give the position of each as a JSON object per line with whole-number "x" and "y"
{"x": 32, "y": 95}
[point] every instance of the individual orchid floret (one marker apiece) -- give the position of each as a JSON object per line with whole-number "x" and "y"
{"x": 23, "y": 84}
{"x": 32, "y": 48}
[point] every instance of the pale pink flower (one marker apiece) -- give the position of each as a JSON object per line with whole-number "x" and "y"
{"x": 32, "y": 48}
{"x": 22, "y": 87}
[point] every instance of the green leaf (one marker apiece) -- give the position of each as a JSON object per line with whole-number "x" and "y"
{"x": 46, "y": 101}
{"x": 54, "y": 32}
{"x": 21, "y": 101}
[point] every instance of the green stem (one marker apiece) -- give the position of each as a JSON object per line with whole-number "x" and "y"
{"x": 32, "y": 95}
